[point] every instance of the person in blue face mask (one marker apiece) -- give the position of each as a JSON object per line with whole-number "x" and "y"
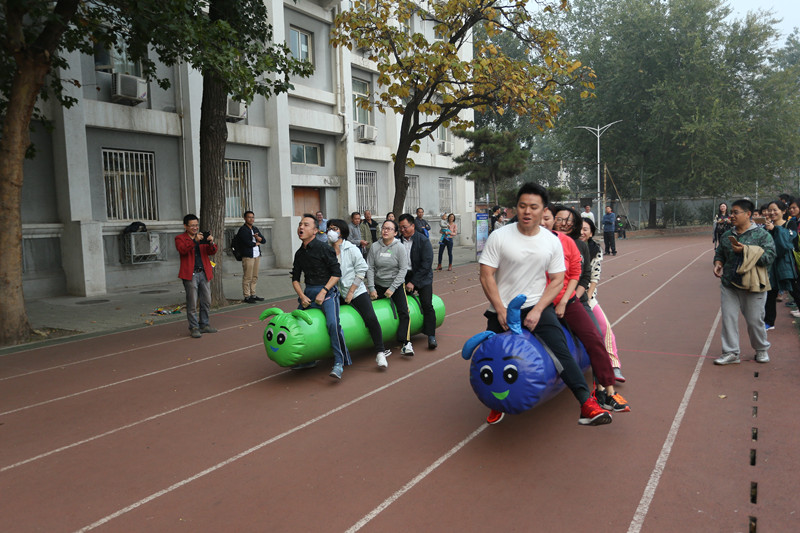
{"x": 352, "y": 289}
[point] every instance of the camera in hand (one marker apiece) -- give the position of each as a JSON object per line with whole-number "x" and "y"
{"x": 205, "y": 236}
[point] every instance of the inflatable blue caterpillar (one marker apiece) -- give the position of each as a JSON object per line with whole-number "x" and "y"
{"x": 514, "y": 371}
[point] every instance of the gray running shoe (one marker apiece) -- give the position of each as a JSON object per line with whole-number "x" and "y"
{"x": 762, "y": 357}
{"x": 727, "y": 359}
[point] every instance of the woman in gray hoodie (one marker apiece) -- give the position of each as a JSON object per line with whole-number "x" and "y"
{"x": 387, "y": 263}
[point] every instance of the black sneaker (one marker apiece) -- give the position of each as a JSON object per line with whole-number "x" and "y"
{"x": 257, "y": 298}
{"x": 615, "y": 403}
{"x": 249, "y": 300}
{"x": 432, "y": 342}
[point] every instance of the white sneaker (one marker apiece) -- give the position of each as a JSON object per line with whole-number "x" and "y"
{"x": 407, "y": 349}
{"x": 381, "y": 359}
{"x": 795, "y": 313}
{"x": 762, "y": 357}
{"x": 727, "y": 359}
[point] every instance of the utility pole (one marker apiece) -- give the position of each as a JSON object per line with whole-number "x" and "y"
{"x": 597, "y": 132}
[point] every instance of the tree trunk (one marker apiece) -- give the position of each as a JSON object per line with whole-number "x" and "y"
{"x": 400, "y": 179}
{"x": 213, "y": 138}
{"x": 26, "y": 85}
{"x": 653, "y": 219}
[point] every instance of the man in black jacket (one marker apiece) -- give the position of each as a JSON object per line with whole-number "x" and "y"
{"x": 420, "y": 274}
{"x": 248, "y": 239}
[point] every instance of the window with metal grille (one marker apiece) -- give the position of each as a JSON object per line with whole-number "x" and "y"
{"x": 446, "y": 195}
{"x": 130, "y": 181}
{"x": 412, "y": 195}
{"x": 238, "y": 192}
{"x": 366, "y": 190}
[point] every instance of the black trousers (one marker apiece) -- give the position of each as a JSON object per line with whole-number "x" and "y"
{"x": 608, "y": 240}
{"x": 363, "y": 304}
{"x": 549, "y": 330}
{"x": 428, "y": 314}
{"x": 401, "y": 304}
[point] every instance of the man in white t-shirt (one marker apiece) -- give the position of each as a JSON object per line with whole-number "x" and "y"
{"x": 517, "y": 259}
{"x": 249, "y": 239}
{"x": 587, "y": 213}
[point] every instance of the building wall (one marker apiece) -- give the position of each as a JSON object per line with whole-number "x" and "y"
{"x": 70, "y": 245}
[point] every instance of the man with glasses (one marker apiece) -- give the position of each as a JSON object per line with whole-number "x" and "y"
{"x": 420, "y": 273}
{"x": 194, "y": 248}
{"x": 741, "y": 262}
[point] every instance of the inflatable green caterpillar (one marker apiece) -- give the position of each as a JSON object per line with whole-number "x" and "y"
{"x": 301, "y": 336}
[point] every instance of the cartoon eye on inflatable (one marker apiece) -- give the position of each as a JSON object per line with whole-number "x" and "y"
{"x": 510, "y": 374}
{"x": 268, "y": 334}
{"x": 281, "y": 338}
{"x": 487, "y": 375}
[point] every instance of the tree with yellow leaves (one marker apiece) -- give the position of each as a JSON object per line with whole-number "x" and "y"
{"x": 432, "y": 67}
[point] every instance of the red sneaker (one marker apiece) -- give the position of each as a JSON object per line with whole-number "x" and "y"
{"x": 494, "y": 417}
{"x": 592, "y": 414}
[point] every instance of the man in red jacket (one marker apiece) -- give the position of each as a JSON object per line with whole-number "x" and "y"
{"x": 196, "y": 273}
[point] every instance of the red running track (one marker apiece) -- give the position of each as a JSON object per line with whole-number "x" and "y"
{"x": 150, "y": 430}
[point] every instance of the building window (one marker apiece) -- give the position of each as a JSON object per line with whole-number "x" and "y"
{"x": 116, "y": 59}
{"x": 307, "y": 154}
{"x": 300, "y": 44}
{"x": 446, "y": 195}
{"x": 130, "y": 180}
{"x": 366, "y": 191}
{"x": 412, "y": 195}
{"x": 238, "y": 192}
{"x": 361, "y": 92}
{"x": 444, "y": 134}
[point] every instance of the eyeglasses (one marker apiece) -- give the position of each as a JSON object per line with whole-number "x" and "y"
{"x": 406, "y": 226}
{"x": 564, "y": 220}
{"x": 737, "y": 212}
{"x": 387, "y": 229}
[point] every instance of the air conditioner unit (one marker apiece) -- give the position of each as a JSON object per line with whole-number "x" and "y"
{"x": 237, "y": 111}
{"x": 446, "y": 147}
{"x": 366, "y": 133}
{"x": 145, "y": 243}
{"x": 128, "y": 89}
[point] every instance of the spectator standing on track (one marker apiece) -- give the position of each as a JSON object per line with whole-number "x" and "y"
{"x": 588, "y": 231}
{"x": 387, "y": 264}
{"x": 722, "y": 223}
{"x": 782, "y": 272}
{"x": 248, "y": 240}
{"x": 449, "y": 233}
{"x": 570, "y": 308}
{"x": 751, "y": 250}
{"x": 322, "y": 224}
{"x": 359, "y": 233}
{"x": 419, "y": 276}
{"x": 587, "y": 213}
{"x": 317, "y": 261}
{"x": 371, "y": 224}
{"x": 609, "y": 221}
{"x": 517, "y": 259}
{"x": 351, "y": 285}
{"x": 494, "y": 216}
{"x": 194, "y": 248}
{"x": 421, "y": 224}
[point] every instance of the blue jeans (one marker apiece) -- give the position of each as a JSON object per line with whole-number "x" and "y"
{"x": 446, "y": 244}
{"x": 197, "y": 288}
{"x": 330, "y": 306}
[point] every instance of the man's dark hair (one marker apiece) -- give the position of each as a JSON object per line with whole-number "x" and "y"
{"x": 248, "y": 213}
{"x": 496, "y": 208}
{"x": 786, "y": 198}
{"x": 744, "y": 204}
{"x": 575, "y": 232}
{"x": 312, "y": 217}
{"x": 354, "y": 213}
{"x": 344, "y": 229}
{"x": 407, "y": 217}
{"x": 534, "y": 188}
{"x": 188, "y": 218}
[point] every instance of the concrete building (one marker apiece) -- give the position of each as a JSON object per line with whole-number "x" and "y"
{"x": 129, "y": 151}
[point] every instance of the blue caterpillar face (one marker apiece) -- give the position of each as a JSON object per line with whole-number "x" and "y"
{"x": 506, "y": 372}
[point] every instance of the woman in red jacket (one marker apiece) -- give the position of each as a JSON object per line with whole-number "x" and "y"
{"x": 194, "y": 248}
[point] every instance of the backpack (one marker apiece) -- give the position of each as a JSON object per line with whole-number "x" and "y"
{"x": 235, "y": 250}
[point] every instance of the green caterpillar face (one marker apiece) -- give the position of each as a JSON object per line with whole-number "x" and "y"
{"x": 284, "y": 336}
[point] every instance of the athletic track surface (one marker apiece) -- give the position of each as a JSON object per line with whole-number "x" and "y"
{"x": 151, "y": 430}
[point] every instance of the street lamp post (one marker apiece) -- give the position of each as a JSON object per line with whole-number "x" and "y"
{"x": 597, "y": 132}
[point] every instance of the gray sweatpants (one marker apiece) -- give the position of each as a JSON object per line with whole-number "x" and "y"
{"x": 751, "y": 304}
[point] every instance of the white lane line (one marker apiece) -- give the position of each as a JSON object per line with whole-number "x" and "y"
{"x": 257, "y": 447}
{"x": 135, "y": 348}
{"x": 138, "y": 422}
{"x": 655, "y": 476}
{"x": 632, "y": 309}
{"x": 617, "y": 276}
{"x": 408, "y": 486}
{"x": 134, "y": 378}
